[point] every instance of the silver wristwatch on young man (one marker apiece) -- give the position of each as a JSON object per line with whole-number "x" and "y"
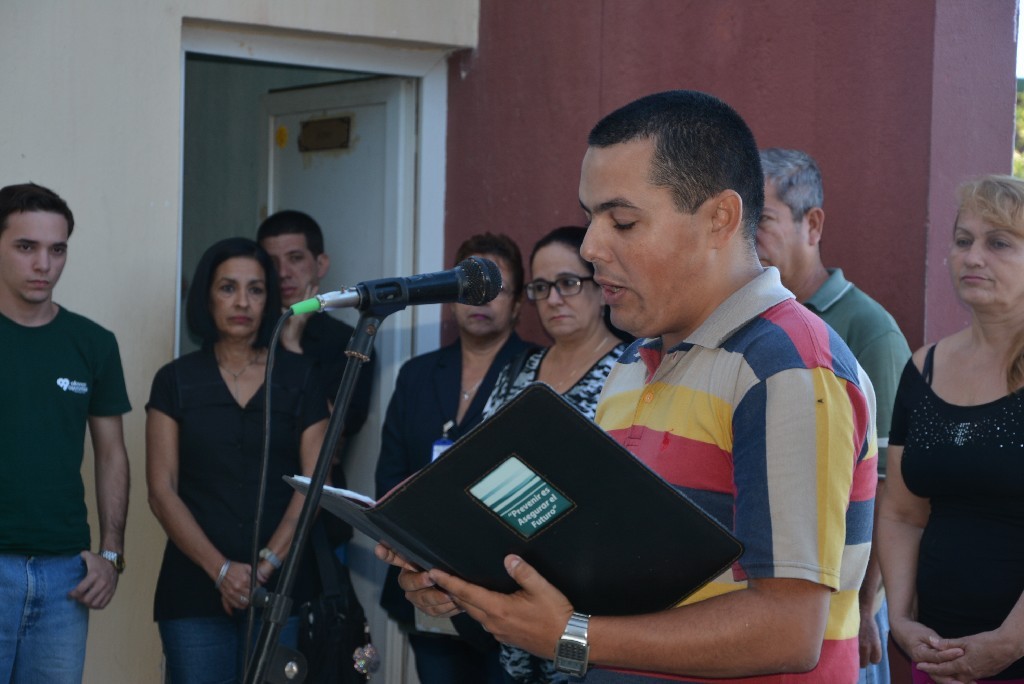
{"x": 116, "y": 559}
{"x": 573, "y": 648}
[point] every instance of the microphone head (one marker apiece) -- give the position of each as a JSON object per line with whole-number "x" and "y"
{"x": 480, "y": 279}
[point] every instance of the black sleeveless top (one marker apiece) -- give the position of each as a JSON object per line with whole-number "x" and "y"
{"x": 968, "y": 461}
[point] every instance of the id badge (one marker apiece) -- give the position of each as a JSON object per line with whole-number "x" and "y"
{"x": 440, "y": 446}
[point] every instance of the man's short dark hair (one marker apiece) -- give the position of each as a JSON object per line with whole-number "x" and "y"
{"x": 500, "y": 245}
{"x": 197, "y": 307}
{"x": 15, "y": 199}
{"x": 291, "y": 222}
{"x": 701, "y": 147}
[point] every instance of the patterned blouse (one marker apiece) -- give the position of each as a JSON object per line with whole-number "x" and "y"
{"x": 583, "y": 395}
{"x": 522, "y": 667}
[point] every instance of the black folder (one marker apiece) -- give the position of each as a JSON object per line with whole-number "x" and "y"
{"x": 541, "y": 480}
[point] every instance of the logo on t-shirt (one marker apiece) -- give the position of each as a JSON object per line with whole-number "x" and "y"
{"x": 72, "y": 386}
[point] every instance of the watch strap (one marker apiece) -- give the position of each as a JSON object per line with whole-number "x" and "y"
{"x": 116, "y": 559}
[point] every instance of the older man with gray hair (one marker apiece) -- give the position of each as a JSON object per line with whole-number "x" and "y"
{"x": 789, "y": 238}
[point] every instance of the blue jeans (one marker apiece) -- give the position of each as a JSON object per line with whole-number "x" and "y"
{"x": 879, "y": 672}
{"x": 211, "y": 650}
{"x": 42, "y": 631}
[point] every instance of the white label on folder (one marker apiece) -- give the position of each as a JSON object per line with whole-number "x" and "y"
{"x": 520, "y": 498}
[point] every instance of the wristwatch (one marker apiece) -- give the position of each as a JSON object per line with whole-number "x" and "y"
{"x": 573, "y": 648}
{"x": 116, "y": 558}
{"x": 271, "y": 557}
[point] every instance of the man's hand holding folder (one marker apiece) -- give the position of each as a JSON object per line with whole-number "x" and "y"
{"x": 531, "y": 618}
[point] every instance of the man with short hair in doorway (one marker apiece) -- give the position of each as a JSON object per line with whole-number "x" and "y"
{"x": 62, "y": 372}
{"x": 735, "y": 393}
{"x": 789, "y": 238}
{"x": 295, "y": 242}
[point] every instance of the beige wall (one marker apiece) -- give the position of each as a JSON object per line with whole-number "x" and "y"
{"x": 92, "y": 108}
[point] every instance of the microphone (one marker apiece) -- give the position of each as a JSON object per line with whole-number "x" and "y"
{"x": 474, "y": 281}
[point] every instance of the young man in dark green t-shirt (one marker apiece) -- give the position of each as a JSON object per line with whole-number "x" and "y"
{"x": 61, "y": 373}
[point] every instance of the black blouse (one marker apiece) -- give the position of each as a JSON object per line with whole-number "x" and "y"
{"x": 968, "y": 461}
{"x": 220, "y": 445}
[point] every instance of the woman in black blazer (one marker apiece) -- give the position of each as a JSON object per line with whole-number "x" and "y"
{"x": 438, "y": 397}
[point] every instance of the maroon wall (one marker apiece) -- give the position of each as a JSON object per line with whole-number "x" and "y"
{"x": 973, "y": 98}
{"x": 898, "y": 102}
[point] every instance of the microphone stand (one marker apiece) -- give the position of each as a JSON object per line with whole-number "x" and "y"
{"x": 271, "y": 662}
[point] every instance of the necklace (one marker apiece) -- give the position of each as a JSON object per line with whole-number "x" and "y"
{"x": 235, "y": 376}
{"x": 466, "y": 394}
{"x": 567, "y": 379}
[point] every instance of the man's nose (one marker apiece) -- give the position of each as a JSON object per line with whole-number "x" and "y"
{"x": 42, "y": 261}
{"x": 592, "y": 249}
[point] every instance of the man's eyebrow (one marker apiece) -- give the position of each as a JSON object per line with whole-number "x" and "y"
{"x": 34, "y": 243}
{"x": 617, "y": 203}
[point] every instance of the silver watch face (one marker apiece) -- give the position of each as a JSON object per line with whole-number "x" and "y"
{"x": 115, "y": 558}
{"x": 571, "y": 656}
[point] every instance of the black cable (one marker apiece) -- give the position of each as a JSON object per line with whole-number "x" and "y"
{"x": 261, "y": 496}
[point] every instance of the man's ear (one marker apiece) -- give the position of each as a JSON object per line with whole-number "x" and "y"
{"x": 815, "y": 219}
{"x": 323, "y": 262}
{"x": 726, "y": 217}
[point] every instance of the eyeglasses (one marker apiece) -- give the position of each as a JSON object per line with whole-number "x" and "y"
{"x": 567, "y": 286}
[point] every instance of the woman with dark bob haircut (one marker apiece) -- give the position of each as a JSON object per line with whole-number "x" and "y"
{"x": 198, "y": 312}
{"x": 204, "y": 437}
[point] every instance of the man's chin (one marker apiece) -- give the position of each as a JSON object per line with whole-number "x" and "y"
{"x": 37, "y": 296}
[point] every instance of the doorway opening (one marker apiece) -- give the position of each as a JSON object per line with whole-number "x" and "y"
{"x": 222, "y": 151}
{"x": 239, "y": 88}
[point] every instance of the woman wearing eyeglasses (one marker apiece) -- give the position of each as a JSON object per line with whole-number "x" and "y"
{"x": 571, "y": 309}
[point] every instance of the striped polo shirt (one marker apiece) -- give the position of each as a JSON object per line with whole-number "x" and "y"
{"x": 765, "y": 419}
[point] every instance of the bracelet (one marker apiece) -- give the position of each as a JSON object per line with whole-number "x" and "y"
{"x": 222, "y": 574}
{"x": 271, "y": 557}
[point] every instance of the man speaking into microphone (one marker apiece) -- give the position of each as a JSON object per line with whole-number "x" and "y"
{"x": 735, "y": 394}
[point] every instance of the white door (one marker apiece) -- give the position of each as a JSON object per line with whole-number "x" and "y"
{"x": 356, "y": 177}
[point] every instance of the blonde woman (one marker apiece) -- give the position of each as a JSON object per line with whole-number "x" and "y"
{"x": 951, "y": 524}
